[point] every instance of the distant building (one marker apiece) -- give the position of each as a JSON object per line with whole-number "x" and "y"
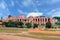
{"x": 33, "y": 20}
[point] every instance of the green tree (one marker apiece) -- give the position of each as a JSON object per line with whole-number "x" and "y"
{"x": 5, "y": 23}
{"x": 9, "y": 16}
{"x": 24, "y": 26}
{"x": 10, "y": 21}
{"x": 35, "y": 26}
{"x": 48, "y": 24}
{"x": 20, "y": 24}
{"x": 57, "y": 23}
{"x": 0, "y": 20}
{"x": 29, "y": 25}
{"x": 12, "y": 24}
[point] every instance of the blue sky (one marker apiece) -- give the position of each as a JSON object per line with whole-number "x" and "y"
{"x": 47, "y": 8}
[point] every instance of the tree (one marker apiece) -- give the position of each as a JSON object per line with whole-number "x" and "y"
{"x": 48, "y": 24}
{"x": 0, "y": 20}
{"x": 57, "y": 23}
{"x": 13, "y": 24}
{"x": 58, "y": 18}
{"x": 29, "y": 25}
{"x": 9, "y": 16}
{"x": 42, "y": 16}
{"x": 10, "y": 21}
{"x": 35, "y": 26}
{"x": 24, "y": 26}
{"x": 5, "y": 23}
{"x": 20, "y": 24}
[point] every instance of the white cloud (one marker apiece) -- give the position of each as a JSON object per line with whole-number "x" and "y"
{"x": 20, "y": 11}
{"x": 26, "y": 2}
{"x": 34, "y": 14}
{"x": 12, "y": 3}
{"x": 2, "y": 5}
{"x": 54, "y": 12}
{"x": 52, "y": 1}
{"x": 31, "y": 2}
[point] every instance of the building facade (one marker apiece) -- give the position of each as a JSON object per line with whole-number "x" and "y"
{"x": 33, "y": 20}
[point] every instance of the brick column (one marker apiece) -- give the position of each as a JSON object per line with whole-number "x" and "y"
{"x": 40, "y": 21}
{"x": 44, "y": 20}
{"x": 37, "y": 21}
{"x": 47, "y": 19}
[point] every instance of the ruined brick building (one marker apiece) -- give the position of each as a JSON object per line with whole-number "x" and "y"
{"x": 36, "y": 20}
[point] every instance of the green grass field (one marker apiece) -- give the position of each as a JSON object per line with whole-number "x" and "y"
{"x": 24, "y": 32}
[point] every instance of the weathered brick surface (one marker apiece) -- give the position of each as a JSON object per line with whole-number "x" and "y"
{"x": 37, "y": 20}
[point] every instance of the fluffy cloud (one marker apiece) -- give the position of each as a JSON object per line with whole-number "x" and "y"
{"x": 35, "y": 14}
{"x": 2, "y": 5}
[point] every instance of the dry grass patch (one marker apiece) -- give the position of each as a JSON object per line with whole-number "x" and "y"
{"x": 13, "y": 30}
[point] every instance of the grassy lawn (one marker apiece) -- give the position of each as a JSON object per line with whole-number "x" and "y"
{"x": 32, "y": 35}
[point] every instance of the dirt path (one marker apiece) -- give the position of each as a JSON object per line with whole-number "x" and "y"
{"x": 6, "y": 37}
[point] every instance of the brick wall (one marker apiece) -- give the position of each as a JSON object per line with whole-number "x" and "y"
{"x": 36, "y": 20}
